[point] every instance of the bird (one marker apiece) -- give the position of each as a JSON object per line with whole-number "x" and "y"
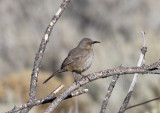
{"x": 79, "y": 59}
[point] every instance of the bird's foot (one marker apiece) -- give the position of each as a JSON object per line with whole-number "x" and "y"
{"x": 76, "y": 81}
{"x": 85, "y": 76}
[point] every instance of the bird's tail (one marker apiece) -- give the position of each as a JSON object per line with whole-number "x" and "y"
{"x": 59, "y": 71}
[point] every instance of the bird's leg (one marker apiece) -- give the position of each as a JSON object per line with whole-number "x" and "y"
{"x": 74, "y": 77}
{"x": 82, "y": 75}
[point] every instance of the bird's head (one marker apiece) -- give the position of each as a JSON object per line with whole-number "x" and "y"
{"x": 87, "y": 43}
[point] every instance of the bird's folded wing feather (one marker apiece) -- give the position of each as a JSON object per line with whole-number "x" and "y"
{"x": 72, "y": 56}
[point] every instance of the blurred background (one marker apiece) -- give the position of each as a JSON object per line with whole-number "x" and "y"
{"x": 117, "y": 24}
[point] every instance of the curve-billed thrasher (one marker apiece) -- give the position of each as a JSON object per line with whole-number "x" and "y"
{"x": 79, "y": 59}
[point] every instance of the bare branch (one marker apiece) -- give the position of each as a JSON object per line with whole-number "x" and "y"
{"x": 109, "y": 91}
{"x": 76, "y": 106}
{"x": 144, "y": 38}
{"x": 142, "y": 103}
{"x": 39, "y": 55}
{"x": 73, "y": 94}
{"x": 47, "y": 99}
{"x": 41, "y": 50}
{"x": 36, "y": 102}
{"x": 79, "y": 92}
{"x": 151, "y": 69}
{"x": 126, "y": 100}
{"x": 52, "y": 94}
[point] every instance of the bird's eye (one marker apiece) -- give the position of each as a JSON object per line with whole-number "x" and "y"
{"x": 87, "y": 43}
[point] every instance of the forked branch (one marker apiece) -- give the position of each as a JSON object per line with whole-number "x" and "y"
{"x": 141, "y": 59}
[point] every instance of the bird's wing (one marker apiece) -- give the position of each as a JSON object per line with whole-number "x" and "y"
{"x": 73, "y": 55}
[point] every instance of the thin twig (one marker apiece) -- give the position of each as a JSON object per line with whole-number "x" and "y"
{"x": 40, "y": 53}
{"x": 73, "y": 94}
{"x": 109, "y": 91}
{"x": 76, "y": 105}
{"x": 142, "y": 103}
{"x": 126, "y": 100}
{"x": 70, "y": 109}
{"x": 79, "y": 92}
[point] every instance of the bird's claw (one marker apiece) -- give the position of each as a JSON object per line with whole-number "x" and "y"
{"x": 83, "y": 76}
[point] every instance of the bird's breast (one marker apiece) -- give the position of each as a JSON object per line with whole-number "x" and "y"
{"x": 86, "y": 63}
{"x": 83, "y": 62}
{"x": 89, "y": 61}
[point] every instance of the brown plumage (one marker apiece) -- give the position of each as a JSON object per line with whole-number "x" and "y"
{"x": 79, "y": 59}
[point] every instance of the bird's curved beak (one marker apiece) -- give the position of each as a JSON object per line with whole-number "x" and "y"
{"x": 93, "y": 42}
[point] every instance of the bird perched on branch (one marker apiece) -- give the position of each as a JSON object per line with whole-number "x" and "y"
{"x": 79, "y": 59}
